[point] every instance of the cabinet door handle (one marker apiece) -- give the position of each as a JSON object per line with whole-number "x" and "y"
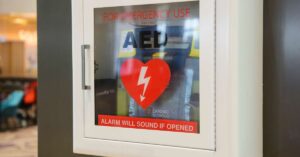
{"x": 84, "y": 48}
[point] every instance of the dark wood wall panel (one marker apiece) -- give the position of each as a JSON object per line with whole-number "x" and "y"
{"x": 55, "y": 79}
{"x": 282, "y": 78}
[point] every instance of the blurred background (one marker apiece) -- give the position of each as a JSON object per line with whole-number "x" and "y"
{"x": 18, "y": 78}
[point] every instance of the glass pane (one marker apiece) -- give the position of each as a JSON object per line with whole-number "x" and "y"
{"x": 147, "y": 67}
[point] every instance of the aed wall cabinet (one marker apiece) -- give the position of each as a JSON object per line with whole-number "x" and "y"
{"x": 167, "y": 78}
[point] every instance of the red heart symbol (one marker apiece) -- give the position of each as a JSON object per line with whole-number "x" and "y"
{"x": 145, "y": 82}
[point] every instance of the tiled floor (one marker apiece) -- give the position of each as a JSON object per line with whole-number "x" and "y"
{"x": 21, "y": 143}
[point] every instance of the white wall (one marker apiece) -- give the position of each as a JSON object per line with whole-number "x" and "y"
{"x": 18, "y": 6}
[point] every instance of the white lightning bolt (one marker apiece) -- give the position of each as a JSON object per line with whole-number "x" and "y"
{"x": 142, "y": 80}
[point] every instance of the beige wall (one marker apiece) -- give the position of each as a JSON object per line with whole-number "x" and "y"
{"x": 18, "y": 6}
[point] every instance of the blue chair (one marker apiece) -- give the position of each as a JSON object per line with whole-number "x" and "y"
{"x": 10, "y": 105}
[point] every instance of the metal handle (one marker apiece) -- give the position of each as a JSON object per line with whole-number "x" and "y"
{"x": 83, "y": 50}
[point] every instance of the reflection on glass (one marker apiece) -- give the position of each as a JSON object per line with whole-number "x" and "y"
{"x": 166, "y": 31}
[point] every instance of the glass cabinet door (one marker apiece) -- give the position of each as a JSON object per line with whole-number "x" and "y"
{"x": 148, "y": 64}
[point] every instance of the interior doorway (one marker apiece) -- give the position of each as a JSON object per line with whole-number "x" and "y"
{"x": 18, "y": 78}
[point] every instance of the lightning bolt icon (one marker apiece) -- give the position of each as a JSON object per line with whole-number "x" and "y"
{"x": 143, "y": 81}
